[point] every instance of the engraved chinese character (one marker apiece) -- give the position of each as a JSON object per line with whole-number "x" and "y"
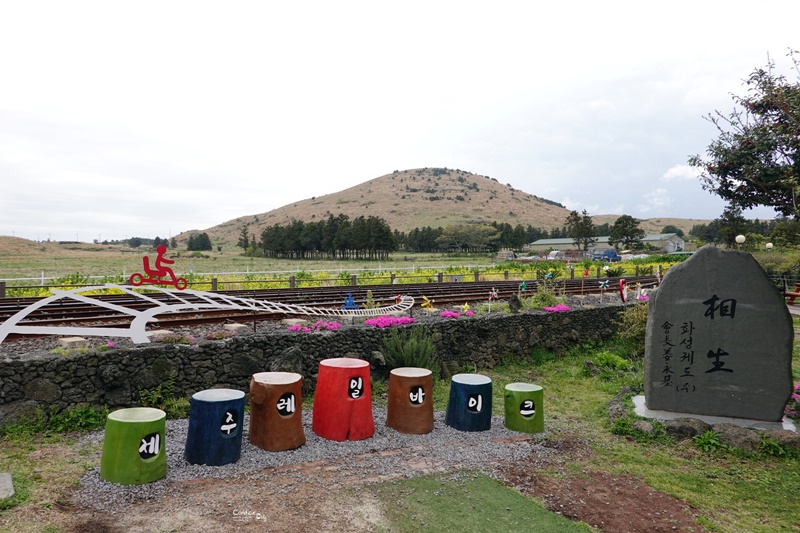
{"x": 718, "y": 365}
{"x": 724, "y": 307}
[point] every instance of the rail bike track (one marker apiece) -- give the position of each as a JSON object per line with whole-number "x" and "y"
{"x": 129, "y": 312}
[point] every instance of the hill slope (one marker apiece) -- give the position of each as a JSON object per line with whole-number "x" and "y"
{"x": 409, "y": 199}
{"x": 417, "y": 198}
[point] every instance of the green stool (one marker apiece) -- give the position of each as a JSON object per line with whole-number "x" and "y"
{"x": 133, "y": 446}
{"x": 524, "y": 407}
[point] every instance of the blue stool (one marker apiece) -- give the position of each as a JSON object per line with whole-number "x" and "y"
{"x": 215, "y": 427}
{"x": 470, "y": 405}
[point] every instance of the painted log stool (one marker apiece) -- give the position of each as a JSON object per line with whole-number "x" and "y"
{"x": 470, "y": 405}
{"x": 524, "y": 407}
{"x": 343, "y": 400}
{"x": 410, "y": 408}
{"x": 133, "y": 446}
{"x": 276, "y": 411}
{"x": 214, "y": 437}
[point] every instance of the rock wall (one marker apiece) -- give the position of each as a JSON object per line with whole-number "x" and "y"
{"x": 114, "y": 377}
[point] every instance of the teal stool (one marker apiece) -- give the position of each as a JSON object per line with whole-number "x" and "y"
{"x": 524, "y": 407}
{"x": 133, "y": 446}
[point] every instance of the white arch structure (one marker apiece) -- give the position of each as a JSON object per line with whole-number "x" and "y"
{"x": 208, "y": 300}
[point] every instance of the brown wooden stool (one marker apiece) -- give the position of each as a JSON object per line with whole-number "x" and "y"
{"x": 343, "y": 400}
{"x": 410, "y": 408}
{"x": 276, "y": 421}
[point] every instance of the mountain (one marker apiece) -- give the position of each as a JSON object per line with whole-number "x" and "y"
{"x": 416, "y": 198}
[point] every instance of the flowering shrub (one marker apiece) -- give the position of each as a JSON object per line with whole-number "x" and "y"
{"x": 175, "y": 338}
{"x": 318, "y": 326}
{"x": 384, "y": 321}
{"x": 560, "y": 308}
{"x": 106, "y": 346}
{"x": 792, "y": 409}
{"x": 219, "y": 334}
{"x": 468, "y": 313}
{"x": 449, "y": 314}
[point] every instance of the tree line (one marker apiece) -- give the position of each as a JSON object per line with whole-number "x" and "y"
{"x": 336, "y": 238}
{"x": 371, "y": 238}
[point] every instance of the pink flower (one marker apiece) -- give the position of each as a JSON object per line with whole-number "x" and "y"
{"x": 449, "y": 314}
{"x": 469, "y": 313}
{"x": 560, "y": 308}
{"x": 384, "y": 321}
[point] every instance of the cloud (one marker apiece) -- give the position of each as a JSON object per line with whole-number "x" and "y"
{"x": 654, "y": 200}
{"x": 681, "y": 172}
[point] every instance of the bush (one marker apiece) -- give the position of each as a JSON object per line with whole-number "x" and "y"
{"x": 632, "y": 326}
{"x": 546, "y": 295}
{"x": 411, "y": 347}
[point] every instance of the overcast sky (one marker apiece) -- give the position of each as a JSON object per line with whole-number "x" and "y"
{"x": 121, "y": 119}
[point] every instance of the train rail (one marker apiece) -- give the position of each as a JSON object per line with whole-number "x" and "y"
{"x": 77, "y": 313}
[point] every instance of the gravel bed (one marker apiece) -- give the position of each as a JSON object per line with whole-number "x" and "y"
{"x": 387, "y": 454}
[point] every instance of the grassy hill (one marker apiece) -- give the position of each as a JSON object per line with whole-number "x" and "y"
{"x": 409, "y": 199}
{"x": 415, "y": 198}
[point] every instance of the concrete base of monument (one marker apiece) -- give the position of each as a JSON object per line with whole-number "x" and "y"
{"x": 641, "y": 410}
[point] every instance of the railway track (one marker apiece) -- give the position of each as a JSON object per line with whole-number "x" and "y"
{"x": 76, "y": 313}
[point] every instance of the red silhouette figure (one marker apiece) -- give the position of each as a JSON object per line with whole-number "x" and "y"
{"x": 156, "y": 274}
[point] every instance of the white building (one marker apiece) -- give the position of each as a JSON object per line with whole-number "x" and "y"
{"x": 669, "y": 242}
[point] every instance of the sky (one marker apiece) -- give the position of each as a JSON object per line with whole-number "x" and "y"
{"x": 122, "y": 119}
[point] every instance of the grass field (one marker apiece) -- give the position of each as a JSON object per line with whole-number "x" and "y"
{"x": 52, "y": 260}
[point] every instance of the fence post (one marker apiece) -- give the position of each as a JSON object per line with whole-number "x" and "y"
{"x": 2, "y": 289}
{"x": 353, "y": 280}
{"x": 598, "y": 272}
{"x": 394, "y": 278}
{"x": 505, "y": 275}
{"x": 637, "y": 271}
{"x": 477, "y": 277}
{"x": 439, "y": 277}
{"x": 213, "y": 284}
{"x": 651, "y": 270}
{"x": 291, "y": 282}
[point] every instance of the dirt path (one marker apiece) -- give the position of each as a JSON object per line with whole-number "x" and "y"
{"x": 318, "y": 496}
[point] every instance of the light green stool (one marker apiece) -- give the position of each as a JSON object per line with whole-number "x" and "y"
{"x": 524, "y": 407}
{"x": 133, "y": 446}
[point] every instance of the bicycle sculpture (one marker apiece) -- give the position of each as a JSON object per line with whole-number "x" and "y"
{"x": 157, "y": 275}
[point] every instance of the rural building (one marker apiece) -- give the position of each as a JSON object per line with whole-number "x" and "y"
{"x": 669, "y": 242}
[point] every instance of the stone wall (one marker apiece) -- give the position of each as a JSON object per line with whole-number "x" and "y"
{"x": 114, "y": 377}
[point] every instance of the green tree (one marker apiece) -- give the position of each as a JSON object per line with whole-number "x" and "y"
{"x": 580, "y": 229}
{"x": 199, "y": 242}
{"x": 626, "y": 232}
{"x": 244, "y": 239}
{"x": 669, "y": 228}
{"x": 731, "y": 224}
{"x": 469, "y": 238}
{"x": 786, "y": 233}
{"x": 756, "y": 158}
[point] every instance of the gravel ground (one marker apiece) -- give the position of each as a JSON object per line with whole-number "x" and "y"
{"x": 387, "y": 454}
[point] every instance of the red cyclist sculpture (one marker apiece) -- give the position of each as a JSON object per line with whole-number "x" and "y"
{"x": 156, "y": 275}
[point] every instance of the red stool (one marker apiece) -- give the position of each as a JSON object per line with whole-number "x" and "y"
{"x": 343, "y": 400}
{"x": 276, "y": 400}
{"x": 410, "y": 407}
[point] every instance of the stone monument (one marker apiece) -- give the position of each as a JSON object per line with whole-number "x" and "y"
{"x": 719, "y": 339}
